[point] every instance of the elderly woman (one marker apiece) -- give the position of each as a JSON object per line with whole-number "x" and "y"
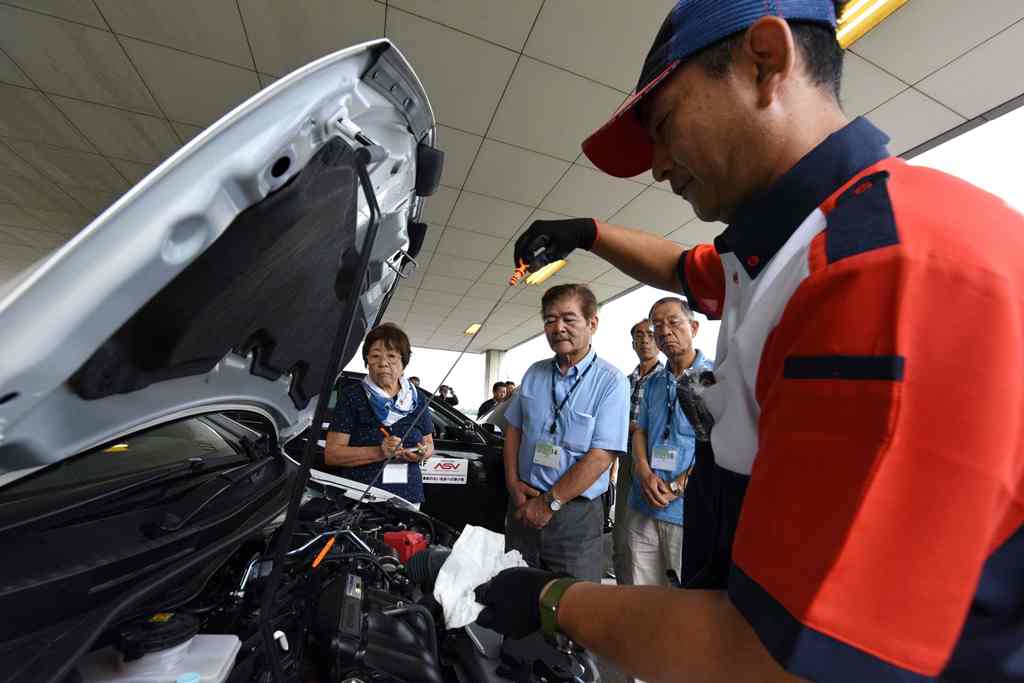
{"x": 378, "y": 423}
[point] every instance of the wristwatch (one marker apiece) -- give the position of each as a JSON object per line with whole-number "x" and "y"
{"x": 552, "y": 500}
{"x": 549, "y": 602}
{"x": 674, "y": 487}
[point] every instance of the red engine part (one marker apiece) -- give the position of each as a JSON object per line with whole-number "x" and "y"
{"x": 405, "y": 543}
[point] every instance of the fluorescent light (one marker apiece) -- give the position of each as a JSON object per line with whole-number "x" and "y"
{"x": 472, "y": 329}
{"x": 545, "y": 272}
{"x": 116, "y": 448}
{"x": 861, "y": 16}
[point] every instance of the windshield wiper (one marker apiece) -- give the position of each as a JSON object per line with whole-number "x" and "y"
{"x": 194, "y": 502}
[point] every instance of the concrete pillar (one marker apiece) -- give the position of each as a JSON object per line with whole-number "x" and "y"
{"x": 492, "y": 369}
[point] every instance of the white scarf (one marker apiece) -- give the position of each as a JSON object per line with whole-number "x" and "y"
{"x": 391, "y": 410}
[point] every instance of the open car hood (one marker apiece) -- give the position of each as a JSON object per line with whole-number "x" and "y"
{"x": 220, "y": 281}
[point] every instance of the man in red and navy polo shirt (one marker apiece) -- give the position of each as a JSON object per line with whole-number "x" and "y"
{"x": 862, "y": 502}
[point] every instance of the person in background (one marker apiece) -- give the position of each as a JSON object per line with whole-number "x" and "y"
{"x": 415, "y": 381}
{"x": 447, "y": 394}
{"x": 509, "y": 388}
{"x": 564, "y": 427}
{"x": 647, "y": 354}
{"x": 378, "y": 424}
{"x": 498, "y": 394}
{"x": 664, "y": 444}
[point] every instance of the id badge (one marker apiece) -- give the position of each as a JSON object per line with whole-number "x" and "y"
{"x": 396, "y": 473}
{"x": 547, "y": 455}
{"x": 664, "y": 459}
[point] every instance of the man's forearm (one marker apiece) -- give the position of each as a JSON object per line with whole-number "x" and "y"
{"x": 640, "y": 467}
{"x": 583, "y": 474}
{"x": 667, "y": 634}
{"x": 510, "y": 453}
{"x": 643, "y": 256}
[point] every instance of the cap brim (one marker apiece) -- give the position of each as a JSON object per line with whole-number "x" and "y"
{"x": 621, "y": 147}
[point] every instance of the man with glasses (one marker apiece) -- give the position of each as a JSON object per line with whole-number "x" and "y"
{"x": 647, "y": 354}
{"x": 663, "y": 446}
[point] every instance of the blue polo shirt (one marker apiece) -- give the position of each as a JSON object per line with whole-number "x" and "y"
{"x": 596, "y": 415}
{"x": 659, "y": 395}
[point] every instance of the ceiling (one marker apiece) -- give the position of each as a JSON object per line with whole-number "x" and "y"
{"x": 95, "y": 93}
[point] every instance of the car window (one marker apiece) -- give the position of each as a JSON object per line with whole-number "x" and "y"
{"x": 147, "y": 450}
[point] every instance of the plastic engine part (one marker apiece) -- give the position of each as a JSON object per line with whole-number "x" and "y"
{"x": 405, "y": 543}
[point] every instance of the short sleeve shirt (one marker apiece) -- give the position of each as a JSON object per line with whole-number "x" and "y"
{"x": 354, "y": 416}
{"x": 595, "y": 415}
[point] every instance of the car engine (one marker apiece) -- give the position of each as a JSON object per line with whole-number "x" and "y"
{"x": 354, "y": 606}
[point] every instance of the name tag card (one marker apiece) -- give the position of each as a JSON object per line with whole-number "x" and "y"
{"x": 664, "y": 459}
{"x": 396, "y": 473}
{"x": 547, "y": 455}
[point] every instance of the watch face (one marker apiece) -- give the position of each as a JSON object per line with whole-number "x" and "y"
{"x": 555, "y": 506}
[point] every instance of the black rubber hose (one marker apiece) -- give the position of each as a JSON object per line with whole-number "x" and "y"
{"x": 420, "y": 611}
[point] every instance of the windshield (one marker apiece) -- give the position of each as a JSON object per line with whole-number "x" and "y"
{"x": 144, "y": 451}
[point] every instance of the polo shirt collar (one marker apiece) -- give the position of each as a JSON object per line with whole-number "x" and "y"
{"x": 636, "y": 371}
{"x": 576, "y": 369}
{"x": 698, "y": 362}
{"x": 763, "y": 224}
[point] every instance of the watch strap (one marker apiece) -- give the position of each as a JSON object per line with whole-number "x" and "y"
{"x": 549, "y": 603}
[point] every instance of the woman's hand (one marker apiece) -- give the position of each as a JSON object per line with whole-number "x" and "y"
{"x": 391, "y": 447}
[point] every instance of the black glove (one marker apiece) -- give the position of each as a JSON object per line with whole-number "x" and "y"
{"x": 548, "y": 241}
{"x": 511, "y": 601}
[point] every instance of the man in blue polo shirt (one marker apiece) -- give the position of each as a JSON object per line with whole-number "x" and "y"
{"x": 566, "y": 424}
{"x": 663, "y": 448}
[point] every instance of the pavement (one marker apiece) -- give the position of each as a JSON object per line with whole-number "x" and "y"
{"x": 609, "y": 674}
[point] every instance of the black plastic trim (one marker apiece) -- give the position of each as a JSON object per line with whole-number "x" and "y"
{"x": 844, "y": 367}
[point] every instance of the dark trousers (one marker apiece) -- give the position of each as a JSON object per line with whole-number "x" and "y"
{"x": 711, "y": 512}
{"x": 571, "y": 542}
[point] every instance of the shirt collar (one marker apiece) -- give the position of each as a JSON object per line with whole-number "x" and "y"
{"x": 698, "y": 363}
{"x": 763, "y": 224}
{"x": 576, "y": 369}
{"x": 635, "y": 375}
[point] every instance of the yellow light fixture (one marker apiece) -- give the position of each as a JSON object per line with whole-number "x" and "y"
{"x": 116, "y": 448}
{"x": 861, "y": 16}
{"x": 472, "y": 329}
{"x": 545, "y": 272}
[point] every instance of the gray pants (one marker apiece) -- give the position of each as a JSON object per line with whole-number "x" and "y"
{"x": 622, "y": 557}
{"x": 570, "y": 543}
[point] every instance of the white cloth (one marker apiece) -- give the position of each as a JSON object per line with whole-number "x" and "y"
{"x": 478, "y": 556}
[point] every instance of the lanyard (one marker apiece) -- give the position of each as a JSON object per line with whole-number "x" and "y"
{"x": 672, "y": 394}
{"x": 568, "y": 394}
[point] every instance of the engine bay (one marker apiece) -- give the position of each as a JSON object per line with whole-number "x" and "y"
{"x": 354, "y": 605}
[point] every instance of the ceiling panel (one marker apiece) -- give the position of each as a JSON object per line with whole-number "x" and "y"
{"x": 75, "y": 10}
{"x": 29, "y": 115}
{"x": 551, "y": 111}
{"x": 287, "y": 35}
{"x": 133, "y": 171}
{"x": 12, "y": 163}
{"x": 448, "y": 285}
{"x": 10, "y": 73}
{"x": 186, "y": 131}
{"x": 14, "y": 215}
{"x": 459, "y": 151}
{"x": 448, "y": 301}
{"x": 32, "y": 193}
{"x": 69, "y": 167}
{"x": 614, "y": 278}
{"x": 120, "y": 133}
{"x": 513, "y": 173}
{"x": 581, "y": 267}
{"x": 586, "y": 192}
{"x": 488, "y": 215}
{"x": 8, "y": 237}
{"x": 464, "y": 76}
{"x": 71, "y": 59}
{"x": 924, "y": 35}
{"x": 40, "y": 239}
{"x": 500, "y": 21}
{"x": 607, "y": 45}
{"x": 218, "y": 35}
{"x": 911, "y": 118}
{"x": 96, "y": 201}
{"x": 404, "y": 293}
{"x": 655, "y": 211}
{"x": 984, "y": 78}
{"x": 865, "y": 86}
{"x": 443, "y": 265}
{"x": 189, "y": 88}
{"x": 472, "y": 245}
{"x": 697, "y": 232}
{"x": 438, "y": 206}
{"x": 64, "y": 223}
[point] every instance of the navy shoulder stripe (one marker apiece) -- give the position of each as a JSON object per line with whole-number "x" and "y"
{"x": 862, "y": 219}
